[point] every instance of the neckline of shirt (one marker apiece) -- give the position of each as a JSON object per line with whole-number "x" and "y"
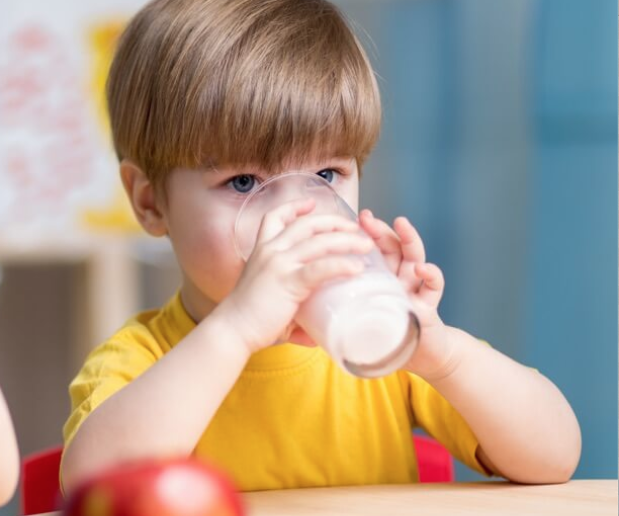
{"x": 286, "y": 358}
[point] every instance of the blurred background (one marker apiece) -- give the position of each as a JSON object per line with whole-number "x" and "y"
{"x": 499, "y": 142}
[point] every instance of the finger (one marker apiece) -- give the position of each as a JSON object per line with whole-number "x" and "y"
{"x": 317, "y": 272}
{"x": 384, "y": 237}
{"x": 331, "y": 243}
{"x": 412, "y": 246}
{"x": 304, "y": 228}
{"x": 431, "y": 290}
{"x": 408, "y": 277}
{"x": 275, "y": 221}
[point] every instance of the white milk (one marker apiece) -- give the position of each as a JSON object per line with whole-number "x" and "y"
{"x": 365, "y": 323}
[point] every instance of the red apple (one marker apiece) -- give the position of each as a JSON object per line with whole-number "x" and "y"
{"x": 175, "y": 487}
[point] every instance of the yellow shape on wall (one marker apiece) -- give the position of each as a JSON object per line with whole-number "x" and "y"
{"x": 102, "y": 40}
{"x": 118, "y": 216}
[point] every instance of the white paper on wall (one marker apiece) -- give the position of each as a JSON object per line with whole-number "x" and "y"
{"x": 58, "y": 173}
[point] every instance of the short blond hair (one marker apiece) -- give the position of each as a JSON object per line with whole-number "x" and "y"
{"x": 242, "y": 82}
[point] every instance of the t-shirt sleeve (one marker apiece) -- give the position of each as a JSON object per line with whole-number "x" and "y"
{"x": 109, "y": 368}
{"x": 434, "y": 414}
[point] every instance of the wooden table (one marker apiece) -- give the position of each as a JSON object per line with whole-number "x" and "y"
{"x": 578, "y": 498}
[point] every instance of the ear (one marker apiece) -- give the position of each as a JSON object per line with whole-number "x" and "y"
{"x": 145, "y": 202}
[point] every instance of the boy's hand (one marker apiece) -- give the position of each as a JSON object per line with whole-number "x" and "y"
{"x": 405, "y": 255}
{"x": 294, "y": 255}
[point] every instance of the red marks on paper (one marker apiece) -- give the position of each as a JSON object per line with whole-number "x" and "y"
{"x": 49, "y": 146}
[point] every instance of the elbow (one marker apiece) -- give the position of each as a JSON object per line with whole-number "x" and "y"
{"x": 556, "y": 466}
{"x": 559, "y": 473}
{"x": 568, "y": 457}
{"x": 8, "y": 483}
{"x": 566, "y": 465}
{"x": 9, "y": 474}
{"x": 67, "y": 476}
{"x": 561, "y": 458}
{"x": 7, "y": 490}
{"x": 72, "y": 470}
{"x": 551, "y": 474}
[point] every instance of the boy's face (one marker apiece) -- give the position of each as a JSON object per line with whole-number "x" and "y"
{"x": 200, "y": 214}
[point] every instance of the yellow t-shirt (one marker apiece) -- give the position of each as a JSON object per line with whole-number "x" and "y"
{"x": 293, "y": 418}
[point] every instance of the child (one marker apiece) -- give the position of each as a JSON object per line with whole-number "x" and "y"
{"x": 9, "y": 455}
{"x": 207, "y": 98}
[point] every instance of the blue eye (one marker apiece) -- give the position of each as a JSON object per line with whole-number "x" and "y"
{"x": 243, "y": 184}
{"x": 327, "y": 174}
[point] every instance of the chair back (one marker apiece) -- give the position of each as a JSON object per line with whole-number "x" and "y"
{"x": 40, "y": 485}
{"x": 40, "y": 482}
{"x": 434, "y": 462}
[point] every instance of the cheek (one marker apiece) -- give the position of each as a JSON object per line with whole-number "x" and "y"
{"x": 219, "y": 270}
{"x": 349, "y": 191}
{"x": 208, "y": 257}
{"x": 353, "y": 202}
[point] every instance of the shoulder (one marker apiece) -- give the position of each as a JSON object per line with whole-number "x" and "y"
{"x": 134, "y": 344}
{"x": 141, "y": 332}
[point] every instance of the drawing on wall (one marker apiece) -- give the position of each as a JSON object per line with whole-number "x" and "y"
{"x": 58, "y": 171}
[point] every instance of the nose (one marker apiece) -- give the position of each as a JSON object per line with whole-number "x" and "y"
{"x": 301, "y": 187}
{"x": 282, "y": 192}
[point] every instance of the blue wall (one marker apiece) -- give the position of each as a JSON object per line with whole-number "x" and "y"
{"x": 572, "y": 280}
{"x": 500, "y": 144}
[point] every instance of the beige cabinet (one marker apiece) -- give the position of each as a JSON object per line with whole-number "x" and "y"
{"x": 57, "y": 301}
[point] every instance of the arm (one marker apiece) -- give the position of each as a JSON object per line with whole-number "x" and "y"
{"x": 155, "y": 415}
{"x": 526, "y": 429}
{"x": 9, "y": 455}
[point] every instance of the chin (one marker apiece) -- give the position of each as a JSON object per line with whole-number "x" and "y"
{"x": 299, "y": 337}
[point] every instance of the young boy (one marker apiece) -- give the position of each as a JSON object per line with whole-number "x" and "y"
{"x": 207, "y": 98}
{"x": 9, "y": 455}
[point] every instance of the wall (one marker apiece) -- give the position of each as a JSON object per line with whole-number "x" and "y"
{"x": 500, "y": 144}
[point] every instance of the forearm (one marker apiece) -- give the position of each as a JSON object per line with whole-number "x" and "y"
{"x": 523, "y": 423}
{"x": 9, "y": 455}
{"x": 165, "y": 410}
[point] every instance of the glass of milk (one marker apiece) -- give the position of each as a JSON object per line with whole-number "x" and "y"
{"x": 365, "y": 323}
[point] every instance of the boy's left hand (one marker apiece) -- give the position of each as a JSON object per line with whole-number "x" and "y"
{"x": 404, "y": 252}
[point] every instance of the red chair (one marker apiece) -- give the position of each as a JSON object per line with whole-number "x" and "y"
{"x": 434, "y": 462}
{"x": 40, "y": 484}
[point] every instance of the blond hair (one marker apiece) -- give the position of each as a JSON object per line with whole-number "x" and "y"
{"x": 240, "y": 82}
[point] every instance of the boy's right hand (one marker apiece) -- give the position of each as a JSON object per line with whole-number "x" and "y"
{"x": 294, "y": 255}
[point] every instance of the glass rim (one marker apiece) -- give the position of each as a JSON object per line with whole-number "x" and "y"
{"x": 261, "y": 187}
